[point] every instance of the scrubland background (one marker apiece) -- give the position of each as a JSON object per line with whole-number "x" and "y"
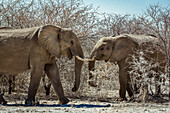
{"x": 90, "y": 26}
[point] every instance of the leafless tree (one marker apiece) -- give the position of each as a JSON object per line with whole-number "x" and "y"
{"x": 157, "y": 21}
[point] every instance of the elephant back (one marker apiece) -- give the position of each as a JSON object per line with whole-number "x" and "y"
{"x": 9, "y": 33}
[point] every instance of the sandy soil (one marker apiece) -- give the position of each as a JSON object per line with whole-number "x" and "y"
{"x": 86, "y": 106}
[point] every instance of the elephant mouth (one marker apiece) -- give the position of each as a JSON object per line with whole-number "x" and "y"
{"x": 69, "y": 54}
{"x": 106, "y": 60}
{"x": 98, "y": 58}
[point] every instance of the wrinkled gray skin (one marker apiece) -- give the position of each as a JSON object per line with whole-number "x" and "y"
{"x": 36, "y": 48}
{"x": 119, "y": 49}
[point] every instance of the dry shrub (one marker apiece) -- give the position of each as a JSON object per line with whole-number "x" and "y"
{"x": 144, "y": 75}
{"x": 106, "y": 78}
{"x": 19, "y": 85}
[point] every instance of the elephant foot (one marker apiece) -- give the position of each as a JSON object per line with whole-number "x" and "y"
{"x": 63, "y": 101}
{"x": 31, "y": 102}
{"x": 132, "y": 99}
{"x": 120, "y": 99}
{"x": 2, "y": 100}
{"x": 47, "y": 92}
{"x": 157, "y": 95}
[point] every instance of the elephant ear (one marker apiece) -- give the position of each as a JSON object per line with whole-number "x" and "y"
{"x": 122, "y": 48}
{"x": 49, "y": 38}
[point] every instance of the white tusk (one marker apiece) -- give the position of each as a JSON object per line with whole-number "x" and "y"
{"x": 82, "y": 59}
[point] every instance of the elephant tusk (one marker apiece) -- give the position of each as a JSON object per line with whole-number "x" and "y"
{"x": 85, "y": 60}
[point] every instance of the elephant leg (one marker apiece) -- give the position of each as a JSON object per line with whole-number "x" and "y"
{"x": 129, "y": 86}
{"x": 46, "y": 87}
{"x": 123, "y": 79}
{"x": 53, "y": 74}
{"x": 157, "y": 85}
{"x": 123, "y": 86}
{"x": 2, "y": 100}
{"x": 11, "y": 84}
{"x": 34, "y": 84}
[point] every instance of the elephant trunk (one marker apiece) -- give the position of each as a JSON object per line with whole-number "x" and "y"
{"x": 91, "y": 65}
{"x": 78, "y": 66}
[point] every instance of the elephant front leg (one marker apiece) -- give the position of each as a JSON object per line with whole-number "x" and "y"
{"x": 124, "y": 80}
{"x": 123, "y": 86}
{"x": 53, "y": 74}
{"x": 33, "y": 87}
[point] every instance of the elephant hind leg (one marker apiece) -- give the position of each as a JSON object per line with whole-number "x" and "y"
{"x": 47, "y": 88}
{"x": 158, "y": 86}
{"x": 47, "y": 85}
{"x": 129, "y": 90}
{"x": 2, "y": 100}
{"x": 10, "y": 86}
{"x": 34, "y": 84}
{"x": 11, "y": 82}
{"x": 129, "y": 87}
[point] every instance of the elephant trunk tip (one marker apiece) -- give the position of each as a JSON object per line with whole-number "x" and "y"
{"x": 74, "y": 89}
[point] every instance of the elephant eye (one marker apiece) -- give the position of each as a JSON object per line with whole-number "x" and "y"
{"x": 58, "y": 37}
{"x": 101, "y": 48}
{"x": 71, "y": 42}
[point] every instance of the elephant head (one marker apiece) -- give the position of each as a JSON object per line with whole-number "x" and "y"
{"x": 113, "y": 49}
{"x": 62, "y": 41}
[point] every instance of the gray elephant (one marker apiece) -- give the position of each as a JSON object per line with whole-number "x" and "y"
{"x": 119, "y": 49}
{"x": 36, "y": 49}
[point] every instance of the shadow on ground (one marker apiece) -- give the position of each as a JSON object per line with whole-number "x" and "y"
{"x": 66, "y": 105}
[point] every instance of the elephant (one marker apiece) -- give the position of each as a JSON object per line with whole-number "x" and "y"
{"x": 119, "y": 49}
{"x": 47, "y": 85}
{"x": 2, "y": 100}
{"x": 37, "y": 49}
{"x": 11, "y": 82}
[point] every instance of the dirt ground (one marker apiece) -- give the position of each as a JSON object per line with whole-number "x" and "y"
{"x": 83, "y": 105}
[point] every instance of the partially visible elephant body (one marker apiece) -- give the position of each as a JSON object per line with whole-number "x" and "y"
{"x": 120, "y": 49}
{"x": 35, "y": 49}
{"x": 46, "y": 84}
{"x": 11, "y": 82}
{"x": 16, "y": 48}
